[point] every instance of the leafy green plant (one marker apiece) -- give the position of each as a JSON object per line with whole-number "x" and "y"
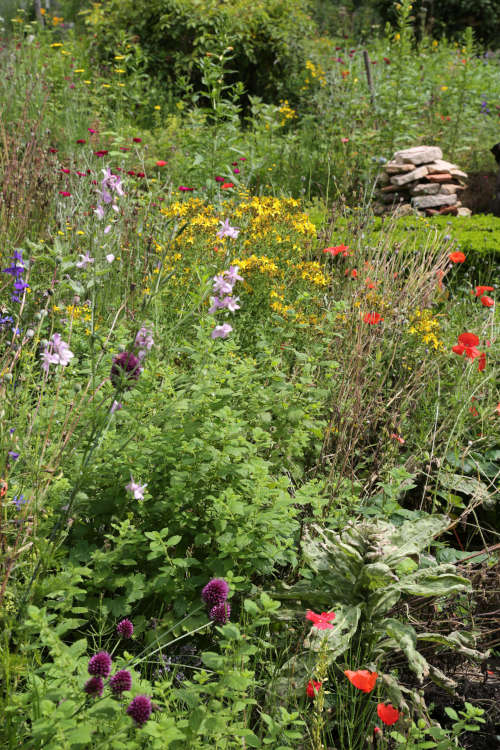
{"x": 361, "y": 573}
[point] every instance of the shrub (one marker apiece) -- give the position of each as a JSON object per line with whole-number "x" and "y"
{"x": 268, "y": 38}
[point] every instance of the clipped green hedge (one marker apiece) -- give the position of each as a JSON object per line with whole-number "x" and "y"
{"x": 268, "y": 37}
{"x": 477, "y": 235}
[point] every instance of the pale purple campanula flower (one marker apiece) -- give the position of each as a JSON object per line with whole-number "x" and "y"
{"x": 222, "y": 331}
{"x": 136, "y": 490}
{"x": 221, "y": 286}
{"x": 227, "y": 230}
{"x": 56, "y": 353}
{"x": 110, "y": 257}
{"x": 85, "y": 260}
{"x": 230, "y": 303}
{"x": 232, "y": 275}
{"x": 144, "y": 340}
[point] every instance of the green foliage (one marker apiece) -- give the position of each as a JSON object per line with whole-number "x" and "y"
{"x": 214, "y": 452}
{"x": 450, "y": 19}
{"x": 361, "y": 574}
{"x": 267, "y": 36}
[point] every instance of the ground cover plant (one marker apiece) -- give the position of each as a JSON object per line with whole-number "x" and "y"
{"x": 249, "y": 452}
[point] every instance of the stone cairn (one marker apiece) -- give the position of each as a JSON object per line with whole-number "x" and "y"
{"x": 418, "y": 179}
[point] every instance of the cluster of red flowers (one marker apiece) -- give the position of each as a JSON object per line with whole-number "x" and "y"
{"x": 362, "y": 679}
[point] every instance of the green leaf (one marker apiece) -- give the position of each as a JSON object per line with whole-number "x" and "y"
{"x": 406, "y": 639}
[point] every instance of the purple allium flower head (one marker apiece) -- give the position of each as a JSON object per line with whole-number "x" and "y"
{"x": 120, "y": 682}
{"x": 125, "y": 365}
{"x": 215, "y": 592}
{"x": 221, "y": 332}
{"x": 94, "y": 686}
{"x": 140, "y": 709}
{"x": 220, "y": 613}
{"x": 125, "y": 628}
{"x": 100, "y": 664}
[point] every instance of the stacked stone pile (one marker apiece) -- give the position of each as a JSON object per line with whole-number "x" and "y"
{"x": 418, "y": 178}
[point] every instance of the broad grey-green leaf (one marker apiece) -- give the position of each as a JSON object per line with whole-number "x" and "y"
{"x": 406, "y": 639}
{"x": 413, "y": 536}
{"x": 441, "y": 679}
{"x": 461, "y": 642}
{"x": 435, "y": 583}
{"x": 378, "y": 575}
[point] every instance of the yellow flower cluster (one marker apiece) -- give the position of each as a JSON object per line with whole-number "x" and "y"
{"x": 427, "y": 327}
{"x": 263, "y": 264}
{"x": 316, "y": 72}
{"x": 286, "y": 112}
{"x": 311, "y": 271}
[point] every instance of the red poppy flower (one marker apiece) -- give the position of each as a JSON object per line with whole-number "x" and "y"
{"x": 141, "y": 174}
{"x": 487, "y": 301}
{"x": 81, "y": 140}
{"x": 66, "y": 171}
{"x": 457, "y": 257}
{"x": 362, "y": 679}
{"x": 100, "y": 153}
{"x": 339, "y": 250}
{"x": 81, "y": 174}
{"x": 387, "y": 713}
{"x": 482, "y": 362}
{"x": 219, "y": 179}
{"x": 386, "y": 60}
{"x": 400, "y": 439}
{"x": 52, "y": 150}
{"x": 185, "y": 189}
{"x": 322, "y": 621}
{"x": 369, "y": 283}
{"x": 467, "y": 344}
{"x": 372, "y": 318}
{"x": 313, "y": 688}
{"x": 3, "y": 487}
{"x": 137, "y": 140}
{"x": 161, "y": 163}
{"x": 226, "y": 185}
{"x": 64, "y": 193}
{"x": 131, "y": 173}
{"x": 124, "y": 148}
{"x": 480, "y": 290}
{"x": 353, "y": 274}
{"x": 91, "y": 131}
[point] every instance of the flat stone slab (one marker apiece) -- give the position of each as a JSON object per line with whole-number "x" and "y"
{"x": 458, "y": 173}
{"x": 440, "y": 177}
{"x": 424, "y": 188}
{"x": 434, "y": 201}
{"x": 404, "y": 179}
{"x": 440, "y": 165}
{"x": 449, "y": 189}
{"x": 463, "y": 211}
{"x": 393, "y": 167}
{"x": 418, "y": 155}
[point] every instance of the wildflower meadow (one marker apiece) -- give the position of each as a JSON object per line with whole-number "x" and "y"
{"x": 249, "y": 422}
